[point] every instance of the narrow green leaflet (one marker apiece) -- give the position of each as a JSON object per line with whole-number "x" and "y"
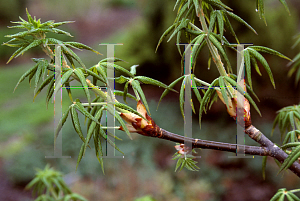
{"x": 63, "y": 80}
{"x": 133, "y": 69}
{"x": 218, "y": 45}
{"x": 91, "y": 129}
{"x": 136, "y": 86}
{"x": 260, "y": 8}
{"x": 42, "y": 86}
{"x": 27, "y": 73}
{"x": 148, "y": 80}
{"x": 121, "y": 93}
{"x": 223, "y": 88}
{"x": 269, "y": 51}
{"x": 295, "y": 154}
{"x": 116, "y": 67}
{"x": 264, "y": 164}
{"x": 81, "y": 109}
{"x": 195, "y": 89}
{"x": 164, "y": 35}
{"x": 81, "y": 77}
{"x": 111, "y": 110}
{"x": 81, "y": 46}
{"x": 213, "y": 17}
{"x": 197, "y": 46}
{"x": 183, "y": 23}
{"x": 121, "y": 79}
{"x": 31, "y": 45}
{"x": 248, "y": 67}
{"x": 263, "y": 61}
{"x": 220, "y": 22}
{"x": 237, "y": 18}
{"x": 96, "y": 76}
{"x": 125, "y": 91}
{"x": 181, "y": 95}
{"x": 80, "y": 155}
{"x": 76, "y": 123}
{"x": 166, "y": 91}
{"x": 103, "y": 134}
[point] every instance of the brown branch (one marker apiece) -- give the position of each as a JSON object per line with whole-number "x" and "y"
{"x": 275, "y": 151}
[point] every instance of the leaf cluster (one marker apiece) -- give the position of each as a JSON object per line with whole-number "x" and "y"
{"x": 49, "y": 185}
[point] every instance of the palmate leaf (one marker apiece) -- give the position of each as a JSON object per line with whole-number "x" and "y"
{"x": 288, "y": 117}
{"x": 262, "y": 60}
{"x": 295, "y": 154}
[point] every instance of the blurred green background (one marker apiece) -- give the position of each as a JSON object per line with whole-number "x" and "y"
{"x": 147, "y": 169}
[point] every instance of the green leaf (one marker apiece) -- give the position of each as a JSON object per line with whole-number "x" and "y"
{"x": 290, "y": 159}
{"x": 195, "y": 89}
{"x": 264, "y": 164}
{"x": 224, "y": 89}
{"x": 181, "y": 96}
{"x": 96, "y": 76}
{"x": 31, "y": 45}
{"x": 164, "y": 35}
{"x": 81, "y": 109}
{"x": 148, "y": 80}
{"x": 220, "y": 22}
{"x": 213, "y": 17}
{"x": 81, "y": 77}
{"x": 248, "y": 67}
{"x": 111, "y": 110}
{"x": 91, "y": 129}
{"x": 81, "y": 46}
{"x": 133, "y": 69}
{"x": 63, "y": 80}
{"x": 218, "y": 45}
{"x": 237, "y": 18}
{"x": 121, "y": 79}
{"x": 260, "y": 8}
{"x": 80, "y": 155}
{"x": 263, "y": 61}
{"x": 285, "y": 6}
{"x": 166, "y": 91}
{"x": 42, "y": 86}
{"x": 76, "y": 124}
{"x": 241, "y": 90}
{"x": 269, "y": 51}
{"x": 183, "y": 23}
{"x": 27, "y": 73}
{"x": 116, "y": 67}
{"x": 136, "y": 86}
{"x": 125, "y": 91}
